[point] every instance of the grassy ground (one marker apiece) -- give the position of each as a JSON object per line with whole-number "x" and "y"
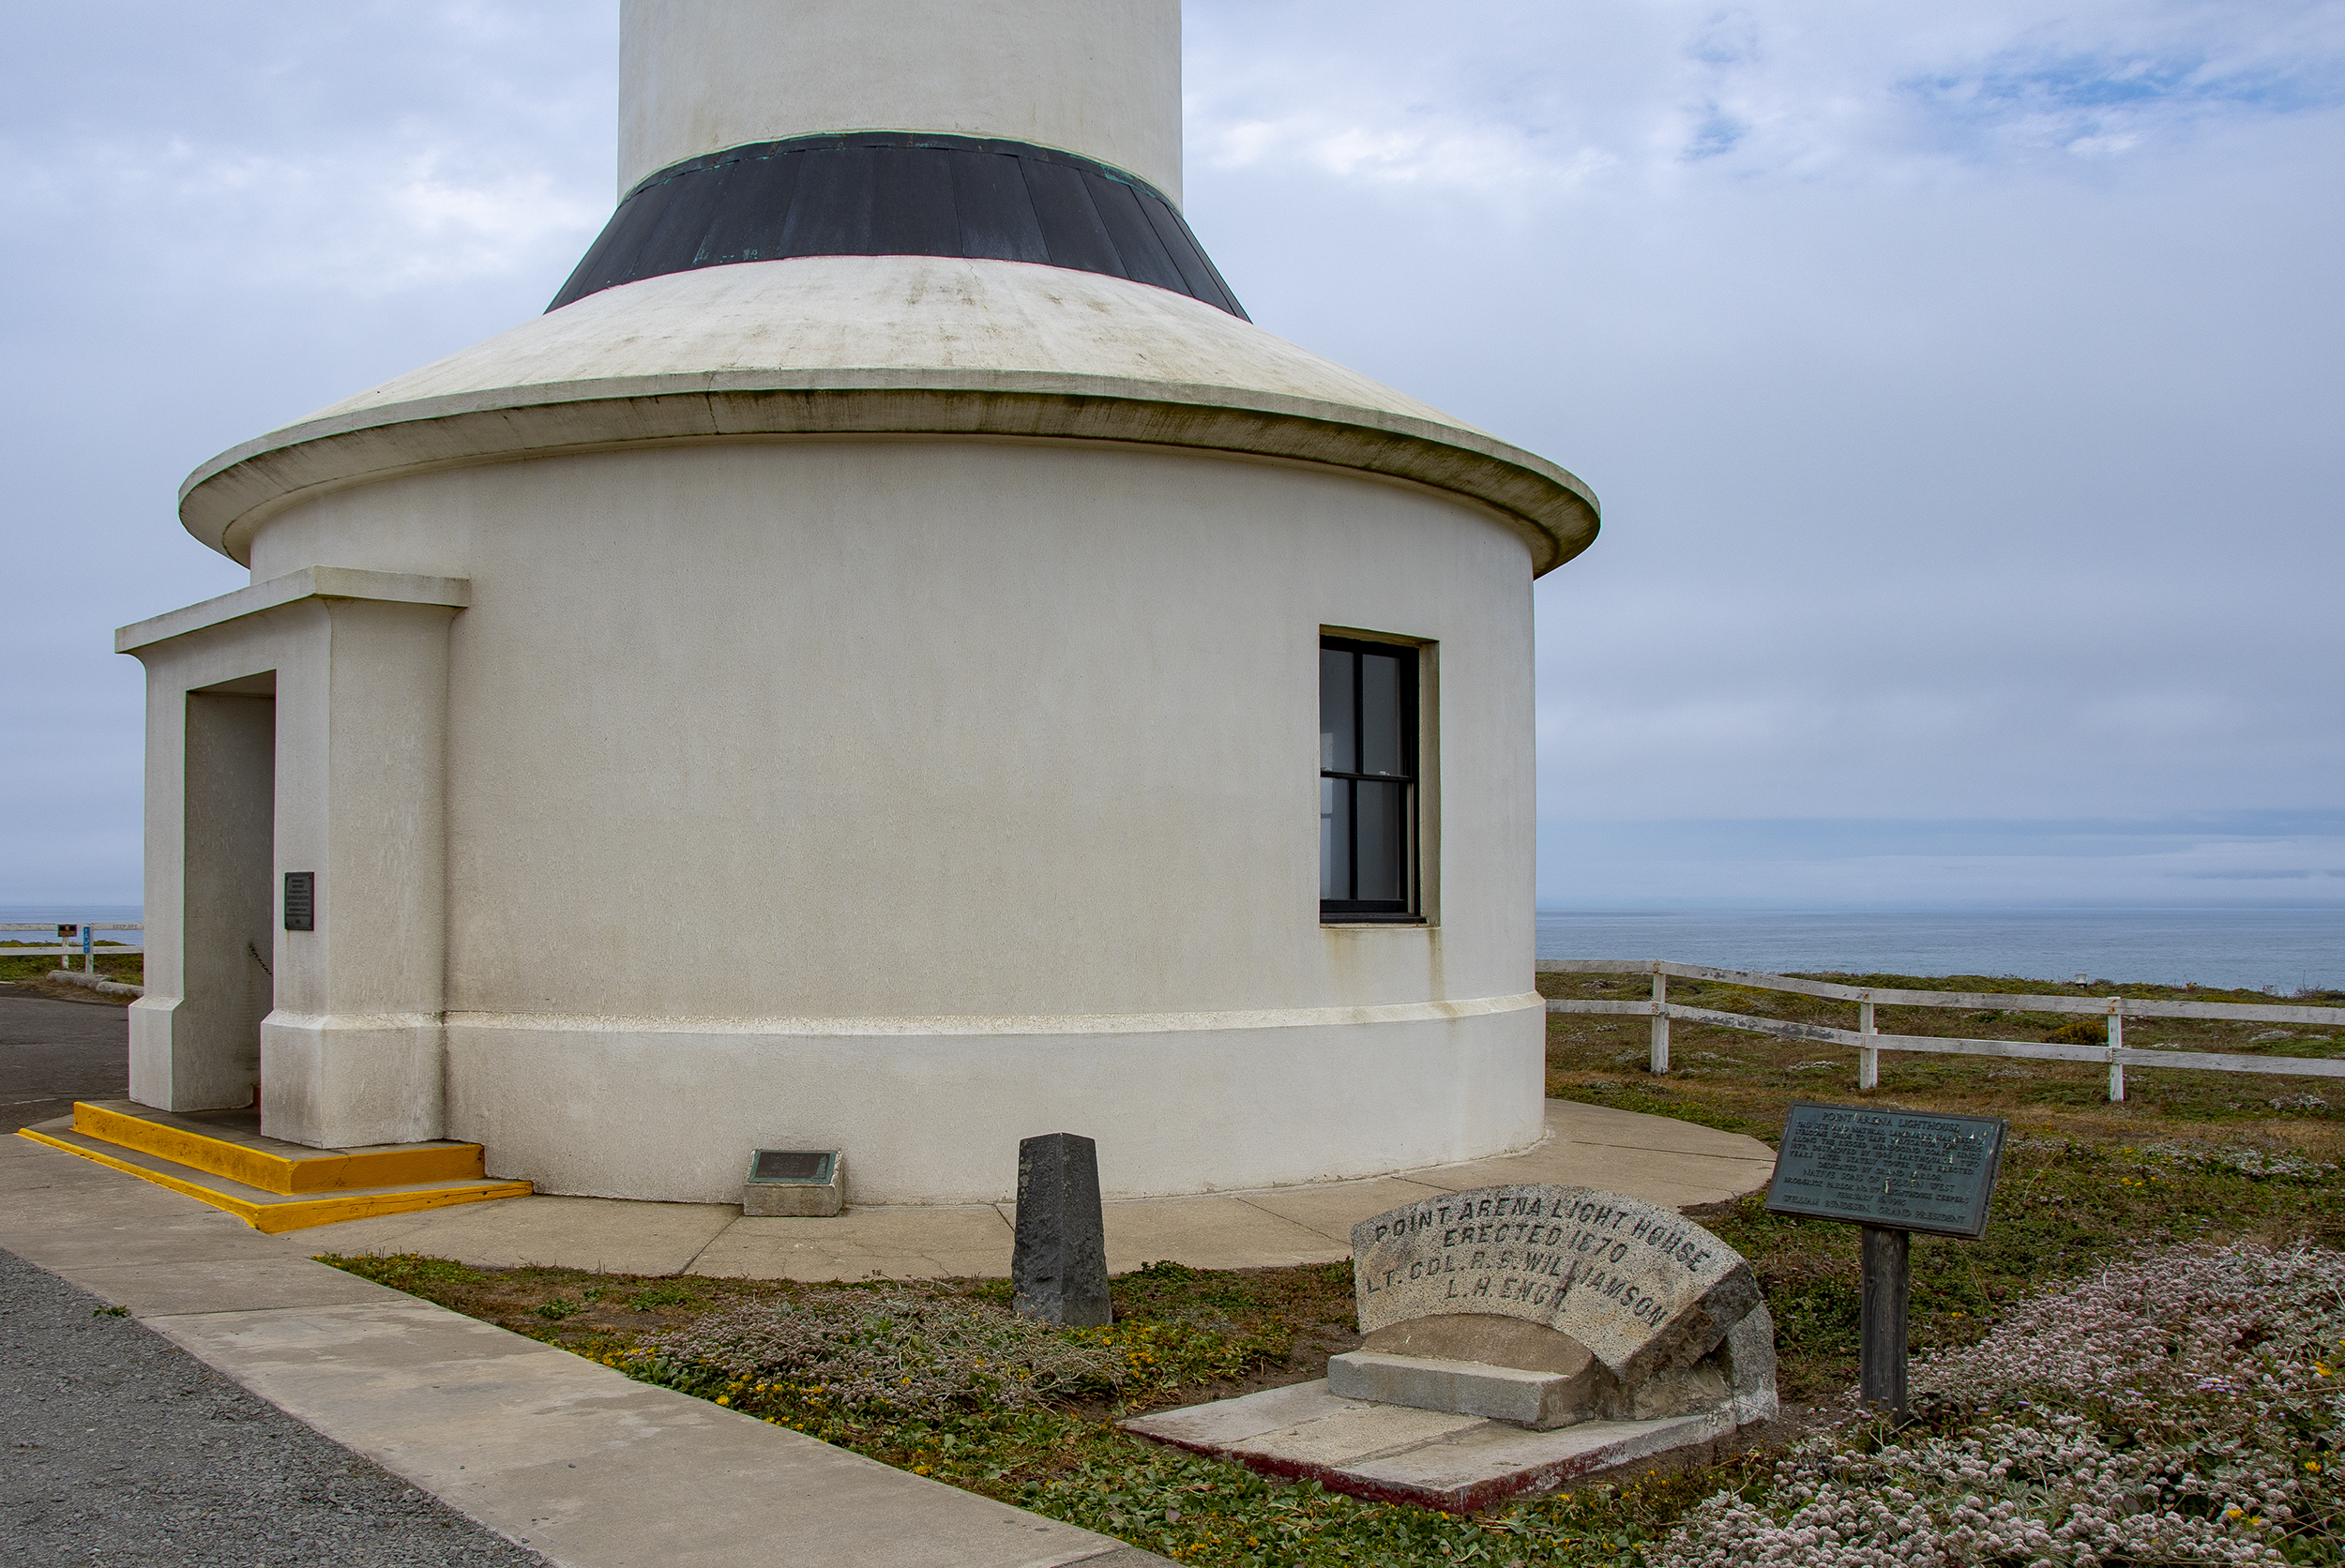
{"x": 2193, "y": 1158}
{"x": 2186, "y": 1156}
{"x": 1726, "y": 1077}
{"x": 20, "y": 965}
{"x": 1181, "y": 1334}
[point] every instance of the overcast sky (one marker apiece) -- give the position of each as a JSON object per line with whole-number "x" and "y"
{"x": 1962, "y": 384}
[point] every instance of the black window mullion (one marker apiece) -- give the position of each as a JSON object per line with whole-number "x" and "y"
{"x": 1360, "y": 754}
{"x": 1397, "y": 790}
{"x": 1351, "y": 822}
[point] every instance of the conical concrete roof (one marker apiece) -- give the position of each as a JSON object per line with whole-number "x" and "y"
{"x": 831, "y": 345}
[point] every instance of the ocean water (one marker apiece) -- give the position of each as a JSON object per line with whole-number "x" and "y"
{"x": 53, "y": 916}
{"x": 2282, "y": 948}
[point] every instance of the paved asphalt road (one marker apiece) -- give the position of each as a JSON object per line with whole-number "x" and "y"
{"x": 121, "y": 1449}
{"x": 53, "y": 1053}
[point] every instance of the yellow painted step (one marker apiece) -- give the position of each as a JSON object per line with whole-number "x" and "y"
{"x": 268, "y": 1211}
{"x": 272, "y": 1166}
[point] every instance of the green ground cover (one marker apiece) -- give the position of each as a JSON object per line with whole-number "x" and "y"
{"x": 19, "y": 962}
{"x": 938, "y": 1379}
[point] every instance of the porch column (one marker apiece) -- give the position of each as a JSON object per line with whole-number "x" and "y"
{"x": 350, "y": 1050}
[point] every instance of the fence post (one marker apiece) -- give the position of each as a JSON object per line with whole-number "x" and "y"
{"x": 1660, "y": 1063}
{"x": 2116, "y": 1044}
{"x": 1867, "y": 1057}
{"x": 89, "y": 964}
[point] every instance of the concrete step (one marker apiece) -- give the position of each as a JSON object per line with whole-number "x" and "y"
{"x": 274, "y": 1211}
{"x": 1538, "y": 1401}
{"x": 230, "y": 1144}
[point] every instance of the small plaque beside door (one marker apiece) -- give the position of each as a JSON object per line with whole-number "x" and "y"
{"x": 301, "y": 900}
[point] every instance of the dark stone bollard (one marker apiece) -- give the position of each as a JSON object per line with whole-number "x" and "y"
{"x": 1059, "y": 1267}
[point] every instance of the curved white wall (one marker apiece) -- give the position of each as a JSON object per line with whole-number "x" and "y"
{"x": 1096, "y": 77}
{"x": 912, "y": 796}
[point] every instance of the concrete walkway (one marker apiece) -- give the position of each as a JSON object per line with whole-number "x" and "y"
{"x": 550, "y": 1450}
{"x": 1674, "y": 1164}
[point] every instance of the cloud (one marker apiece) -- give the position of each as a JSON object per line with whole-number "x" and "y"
{"x": 1959, "y": 382}
{"x": 1957, "y": 385}
{"x": 382, "y": 221}
{"x": 222, "y": 217}
{"x": 1546, "y": 94}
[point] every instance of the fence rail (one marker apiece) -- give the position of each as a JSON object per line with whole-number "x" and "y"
{"x": 91, "y": 951}
{"x": 1870, "y": 1043}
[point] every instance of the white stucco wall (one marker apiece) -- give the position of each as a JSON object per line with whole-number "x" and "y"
{"x": 336, "y": 767}
{"x": 1096, "y": 77}
{"x": 912, "y": 796}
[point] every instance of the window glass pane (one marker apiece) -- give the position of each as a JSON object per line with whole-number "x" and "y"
{"x": 1383, "y": 746}
{"x": 1335, "y": 838}
{"x": 1335, "y": 742}
{"x": 1384, "y": 868}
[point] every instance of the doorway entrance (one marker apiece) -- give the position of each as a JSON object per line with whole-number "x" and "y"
{"x": 228, "y": 896}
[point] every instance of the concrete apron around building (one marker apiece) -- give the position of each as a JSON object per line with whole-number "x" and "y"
{"x": 567, "y": 1456}
{"x": 1674, "y": 1164}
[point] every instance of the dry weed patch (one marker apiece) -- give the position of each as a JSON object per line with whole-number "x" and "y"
{"x": 2179, "y": 1408}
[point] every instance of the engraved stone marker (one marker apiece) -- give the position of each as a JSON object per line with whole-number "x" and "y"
{"x": 1644, "y": 1289}
{"x": 1058, "y": 1265}
{"x": 1558, "y": 1331}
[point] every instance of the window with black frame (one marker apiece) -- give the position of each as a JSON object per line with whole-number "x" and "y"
{"x": 1366, "y": 780}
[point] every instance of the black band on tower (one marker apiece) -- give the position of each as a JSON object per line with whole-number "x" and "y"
{"x": 895, "y": 193}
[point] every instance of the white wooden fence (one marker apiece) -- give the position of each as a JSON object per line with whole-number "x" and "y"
{"x": 66, "y": 947}
{"x": 1869, "y": 1044}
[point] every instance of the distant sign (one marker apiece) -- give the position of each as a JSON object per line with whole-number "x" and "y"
{"x": 66, "y": 933}
{"x": 1894, "y": 1169}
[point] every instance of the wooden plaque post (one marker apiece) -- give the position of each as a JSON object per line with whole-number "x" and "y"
{"x": 1883, "y": 1318}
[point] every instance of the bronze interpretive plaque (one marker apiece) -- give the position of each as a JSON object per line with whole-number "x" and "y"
{"x": 1892, "y": 1169}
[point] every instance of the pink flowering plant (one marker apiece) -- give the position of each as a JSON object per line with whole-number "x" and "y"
{"x": 2181, "y": 1407}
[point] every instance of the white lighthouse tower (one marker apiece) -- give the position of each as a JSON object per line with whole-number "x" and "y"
{"x": 892, "y": 661}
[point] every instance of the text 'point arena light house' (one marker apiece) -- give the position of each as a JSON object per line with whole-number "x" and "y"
{"x": 892, "y": 661}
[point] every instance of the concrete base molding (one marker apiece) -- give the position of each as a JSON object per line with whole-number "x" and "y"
{"x": 335, "y": 1081}
{"x": 930, "y": 1111}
